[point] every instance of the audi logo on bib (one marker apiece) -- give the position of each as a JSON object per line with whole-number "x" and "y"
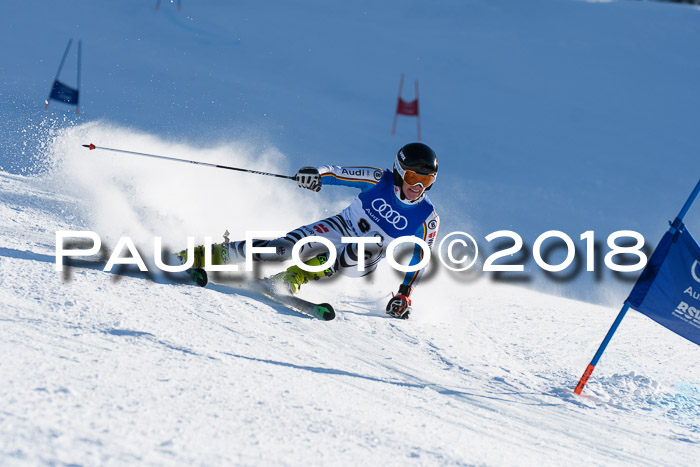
{"x": 692, "y": 271}
{"x": 385, "y": 210}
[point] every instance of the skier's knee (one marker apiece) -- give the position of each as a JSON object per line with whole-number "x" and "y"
{"x": 348, "y": 262}
{"x": 279, "y": 249}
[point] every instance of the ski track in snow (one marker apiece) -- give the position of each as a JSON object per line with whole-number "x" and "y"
{"x": 107, "y": 368}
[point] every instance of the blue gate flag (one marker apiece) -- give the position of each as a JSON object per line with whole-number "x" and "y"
{"x": 668, "y": 290}
{"x": 62, "y": 93}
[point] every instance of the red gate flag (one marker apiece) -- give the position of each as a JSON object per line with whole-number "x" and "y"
{"x": 409, "y": 108}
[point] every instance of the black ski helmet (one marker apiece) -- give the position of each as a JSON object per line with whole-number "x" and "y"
{"x": 417, "y": 157}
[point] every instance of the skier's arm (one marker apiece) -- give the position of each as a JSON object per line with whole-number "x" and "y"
{"x": 313, "y": 178}
{"x": 363, "y": 178}
{"x": 427, "y": 232}
{"x": 399, "y": 305}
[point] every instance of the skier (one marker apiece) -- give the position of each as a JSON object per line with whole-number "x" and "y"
{"x": 391, "y": 204}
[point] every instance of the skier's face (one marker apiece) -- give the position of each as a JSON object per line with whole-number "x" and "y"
{"x": 412, "y": 192}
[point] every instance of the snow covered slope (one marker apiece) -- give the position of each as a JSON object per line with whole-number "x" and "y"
{"x": 546, "y": 114}
{"x": 101, "y": 368}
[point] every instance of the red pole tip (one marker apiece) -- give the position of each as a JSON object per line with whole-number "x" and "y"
{"x": 90, "y": 146}
{"x": 584, "y": 379}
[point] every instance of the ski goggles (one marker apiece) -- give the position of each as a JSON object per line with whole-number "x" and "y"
{"x": 414, "y": 178}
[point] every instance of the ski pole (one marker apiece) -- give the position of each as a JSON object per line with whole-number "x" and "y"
{"x": 218, "y": 166}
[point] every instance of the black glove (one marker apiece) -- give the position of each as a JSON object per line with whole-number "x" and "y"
{"x": 309, "y": 178}
{"x": 399, "y": 307}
